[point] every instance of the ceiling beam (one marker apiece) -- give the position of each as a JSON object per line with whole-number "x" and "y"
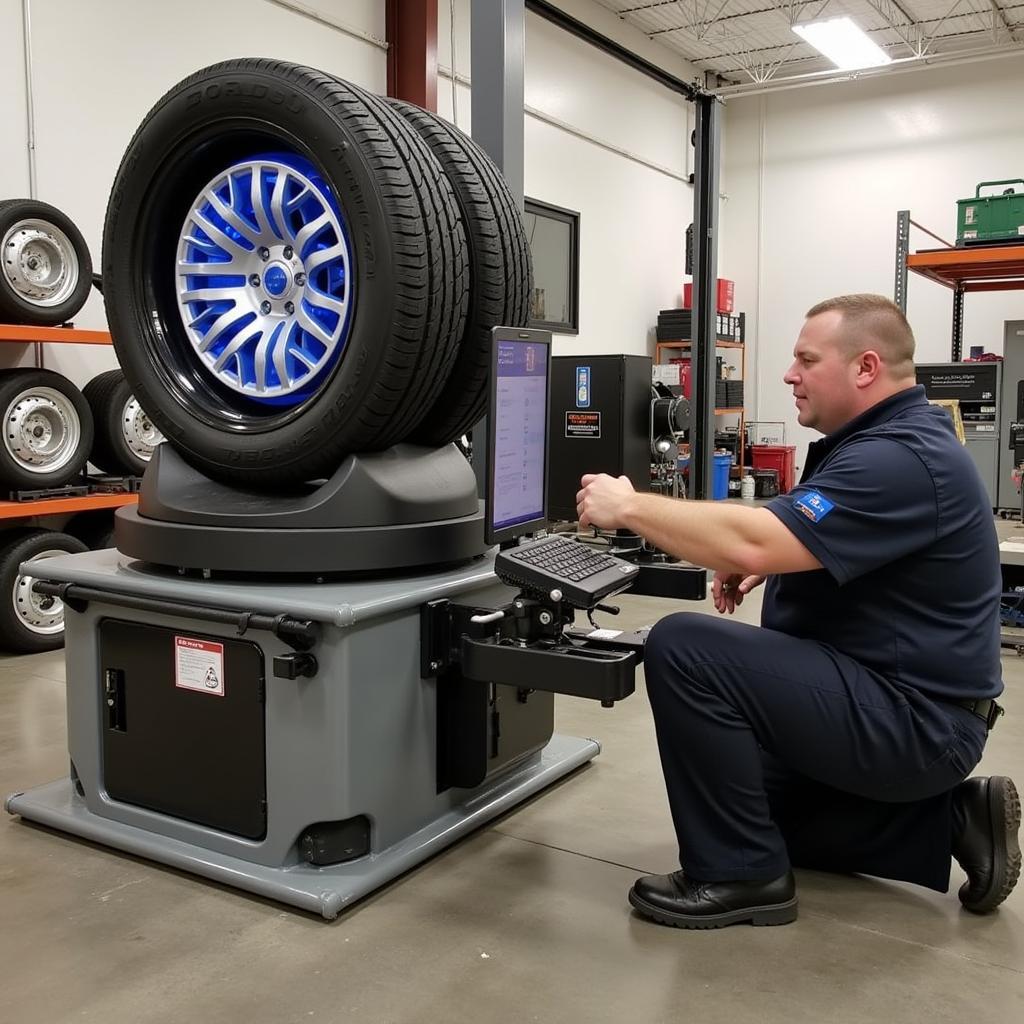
{"x": 899, "y": 20}
{"x": 999, "y": 17}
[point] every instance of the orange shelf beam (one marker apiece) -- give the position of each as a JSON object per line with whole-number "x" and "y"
{"x": 53, "y": 506}
{"x": 53, "y": 335}
{"x": 684, "y": 343}
{"x": 986, "y": 268}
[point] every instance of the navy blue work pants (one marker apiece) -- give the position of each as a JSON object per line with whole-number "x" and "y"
{"x": 778, "y": 751}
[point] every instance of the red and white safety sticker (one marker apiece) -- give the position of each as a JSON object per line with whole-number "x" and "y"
{"x": 199, "y": 665}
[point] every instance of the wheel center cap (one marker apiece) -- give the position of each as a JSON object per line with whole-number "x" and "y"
{"x": 277, "y": 280}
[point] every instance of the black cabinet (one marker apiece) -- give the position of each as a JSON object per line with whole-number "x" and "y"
{"x": 183, "y": 725}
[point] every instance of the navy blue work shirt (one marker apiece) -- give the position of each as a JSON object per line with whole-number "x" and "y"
{"x": 896, "y": 512}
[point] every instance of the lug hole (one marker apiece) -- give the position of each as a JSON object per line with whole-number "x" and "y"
{"x": 288, "y": 252}
{"x": 254, "y": 280}
{"x": 289, "y": 307}
{"x": 264, "y": 253}
{"x": 264, "y": 307}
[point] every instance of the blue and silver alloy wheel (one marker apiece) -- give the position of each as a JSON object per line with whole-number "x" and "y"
{"x": 265, "y": 279}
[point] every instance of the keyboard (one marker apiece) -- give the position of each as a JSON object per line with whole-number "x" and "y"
{"x": 583, "y": 575}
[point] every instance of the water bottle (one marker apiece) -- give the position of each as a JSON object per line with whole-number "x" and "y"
{"x": 747, "y": 488}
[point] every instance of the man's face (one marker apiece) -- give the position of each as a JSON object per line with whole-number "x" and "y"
{"x": 823, "y": 375}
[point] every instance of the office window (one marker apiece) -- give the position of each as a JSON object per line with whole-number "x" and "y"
{"x": 554, "y": 236}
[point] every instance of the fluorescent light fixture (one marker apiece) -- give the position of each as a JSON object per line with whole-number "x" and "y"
{"x": 846, "y": 45}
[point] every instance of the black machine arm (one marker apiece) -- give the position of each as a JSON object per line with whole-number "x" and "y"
{"x": 523, "y": 643}
{"x": 529, "y": 641}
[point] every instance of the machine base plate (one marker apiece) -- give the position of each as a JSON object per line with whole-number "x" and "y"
{"x": 322, "y": 890}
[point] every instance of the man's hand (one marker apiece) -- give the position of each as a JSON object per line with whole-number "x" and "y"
{"x": 602, "y": 499}
{"x": 729, "y": 589}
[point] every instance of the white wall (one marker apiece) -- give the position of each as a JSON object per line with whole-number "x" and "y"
{"x": 13, "y": 151}
{"x": 613, "y": 124}
{"x": 98, "y": 67}
{"x": 815, "y": 178}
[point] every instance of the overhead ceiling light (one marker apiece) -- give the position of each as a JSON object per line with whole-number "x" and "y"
{"x": 846, "y": 45}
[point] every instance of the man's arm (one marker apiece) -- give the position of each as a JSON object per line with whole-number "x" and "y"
{"x": 729, "y": 538}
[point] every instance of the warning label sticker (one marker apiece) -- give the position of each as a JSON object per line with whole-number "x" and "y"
{"x": 199, "y": 665}
{"x": 582, "y": 424}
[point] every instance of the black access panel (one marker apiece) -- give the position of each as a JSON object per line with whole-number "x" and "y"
{"x": 600, "y": 423}
{"x": 183, "y": 725}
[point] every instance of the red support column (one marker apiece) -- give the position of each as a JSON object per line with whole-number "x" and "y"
{"x": 412, "y": 51}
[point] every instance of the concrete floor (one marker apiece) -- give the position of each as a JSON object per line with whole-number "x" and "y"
{"x": 526, "y": 920}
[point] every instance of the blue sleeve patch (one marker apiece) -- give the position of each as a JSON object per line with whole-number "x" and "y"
{"x": 814, "y": 505}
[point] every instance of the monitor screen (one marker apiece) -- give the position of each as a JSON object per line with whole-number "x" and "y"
{"x": 517, "y": 453}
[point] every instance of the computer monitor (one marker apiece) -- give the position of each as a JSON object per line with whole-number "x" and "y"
{"x": 517, "y": 434}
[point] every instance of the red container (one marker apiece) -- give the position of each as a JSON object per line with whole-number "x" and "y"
{"x": 726, "y": 293}
{"x": 781, "y": 458}
{"x": 684, "y": 375}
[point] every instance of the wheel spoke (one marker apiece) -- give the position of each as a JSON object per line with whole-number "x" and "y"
{"x": 311, "y": 230}
{"x": 277, "y": 210}
{"x": 232, "y": 348}
{"x": 321, "y": 300}
{"x": 258, "y": 211}
{"x": 208, "y": 269}
{"x": 219, "y": 326}
{"x": 231, "y": 217}
{"x": 281, "y": 360}
{"x": 312, "y": 325}
{"x": 260, "y": 356}
{"x": 220, "y": 237}
{"x": 300, "y": 354}
{"x": 322, "y": 256}
{"x": 208, "y": 294}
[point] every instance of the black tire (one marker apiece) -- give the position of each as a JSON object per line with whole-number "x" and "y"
{"x": 94, "y": 528}
{"x": 500, "y": 270}
{"x": 47, "y": 429}
{"x": 45, "y": 268}
{"x": 408, "y": 251}
{"x": 29, "y": 623}
{"x": 123, "y": 441}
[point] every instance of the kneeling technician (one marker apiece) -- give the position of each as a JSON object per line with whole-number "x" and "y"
{"x": 839, "y": 735}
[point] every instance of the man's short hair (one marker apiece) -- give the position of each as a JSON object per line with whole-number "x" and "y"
{"x": 875, "y": 322}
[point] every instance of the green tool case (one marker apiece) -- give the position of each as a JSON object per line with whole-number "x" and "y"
{"x": 987, "y": 220}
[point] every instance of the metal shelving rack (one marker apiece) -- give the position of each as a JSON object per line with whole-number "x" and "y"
{"x": 975, "y": 269}
{"x": 986, "y": 268}
{"x": 17, "y": 334}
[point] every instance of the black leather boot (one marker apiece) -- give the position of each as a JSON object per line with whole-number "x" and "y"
{"x": 688, "y": 903}
{"x": 986, "y": 846}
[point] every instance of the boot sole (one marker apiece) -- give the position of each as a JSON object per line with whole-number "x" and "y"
{"x": 772, "y": 914}
{"x": 1004, "y": 813}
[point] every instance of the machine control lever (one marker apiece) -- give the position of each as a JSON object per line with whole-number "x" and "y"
{"x": 291, "y": 666}
{"x": 490, "y": 617}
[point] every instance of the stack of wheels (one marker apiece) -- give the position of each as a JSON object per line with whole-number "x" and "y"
{"x": 47, "y": 430}
{"x": 340, "y": 260}
{"x": 47, "y": 434}
{"x": 50, "y": 431}
{"x": 45, "y": 269}
{"x": 30, "y": 622}
{"x": 125, "y": 437}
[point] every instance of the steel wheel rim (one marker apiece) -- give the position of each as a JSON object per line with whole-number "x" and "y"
{"x": 264, "y": 279}
{"x": 138, "y": 431}
{"x": 38, "y": 613}
{"x": 39, "y": 262}
{"x": 42, "y": 430}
